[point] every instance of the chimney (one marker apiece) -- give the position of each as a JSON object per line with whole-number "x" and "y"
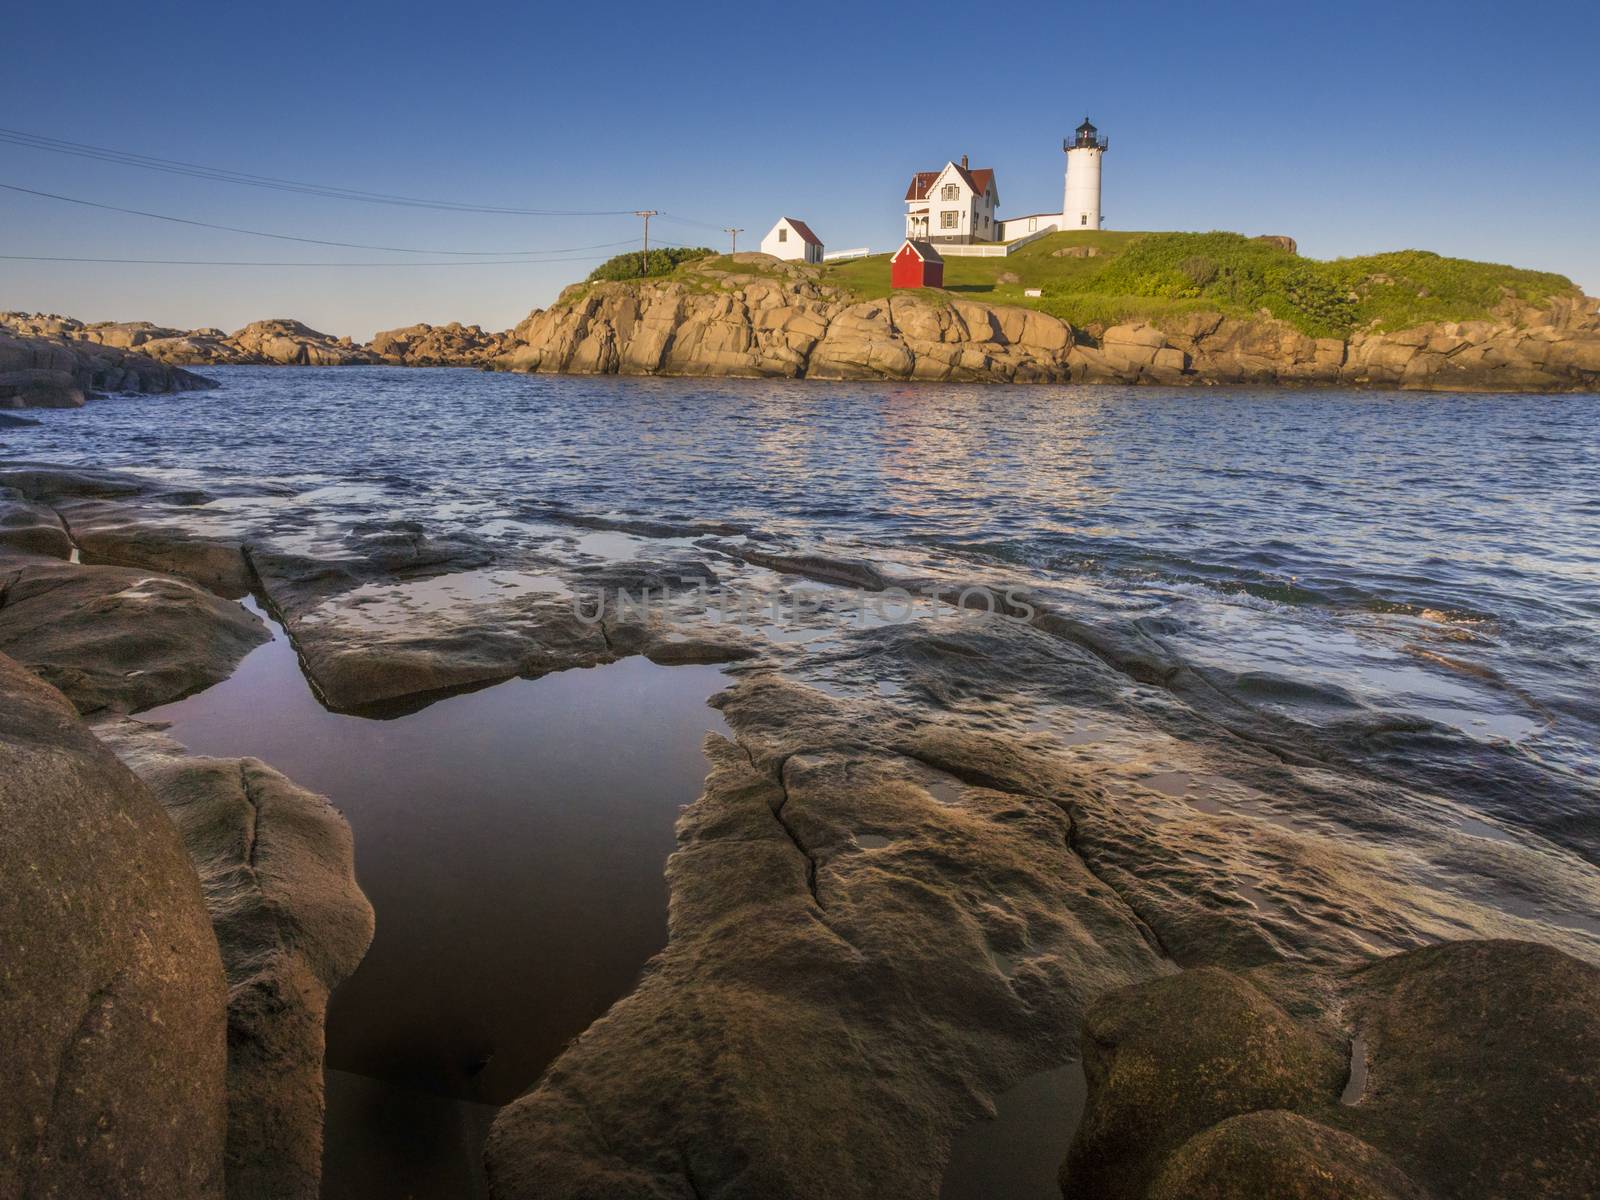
{"x": 963, "y": 162}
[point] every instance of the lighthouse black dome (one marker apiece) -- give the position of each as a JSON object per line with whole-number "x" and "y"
{"x": 1087, "y": 138}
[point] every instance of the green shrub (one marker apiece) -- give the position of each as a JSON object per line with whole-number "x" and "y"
{"x": 662, "y": 262}
{"x": 1199, "y": 269}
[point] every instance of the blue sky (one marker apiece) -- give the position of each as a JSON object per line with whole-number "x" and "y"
{"x": 1465, "y": 128}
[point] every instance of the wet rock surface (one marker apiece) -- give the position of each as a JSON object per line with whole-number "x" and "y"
{"x": 115, "y": 637}
{"x": 277, "y": 867}
{"x": 111, "y": 991}
{"x": 1462, "y": 1069}
{"x": 930, "y": 849}
{"x": 817, "y": 886}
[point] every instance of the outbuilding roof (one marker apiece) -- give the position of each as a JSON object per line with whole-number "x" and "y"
{"x": 923, "y": 250}
{"x": 804, "y": 231}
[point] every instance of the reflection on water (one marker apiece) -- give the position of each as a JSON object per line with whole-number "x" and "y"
{"x": 1275, "y": 529}
{"x": 512, "y": 842}
{"x": 1018, "y": 1152}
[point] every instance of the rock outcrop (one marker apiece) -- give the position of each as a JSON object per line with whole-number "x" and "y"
{"x": 57, "y": 370}
{"x": 862, "y": 953}
{"x": 277, "y": 866}
{"x": 112, "y": 997}
{"x": 1466, "y": 1069}
{"x": 289, "y": 343}
{"x": 110, "y": 637}
{"x": 794, "y": 326}
{"x": 452, "y": 345}
{"x": 277, "y": 342}
{"x": 762, "y": 318}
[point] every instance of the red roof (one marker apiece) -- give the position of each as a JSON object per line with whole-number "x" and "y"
{"x": 980, "y": 181}
{"x": 920, "y": 183}
{"x": 804, "y": 231}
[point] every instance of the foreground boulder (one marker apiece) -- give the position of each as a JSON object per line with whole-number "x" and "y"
{"x": 277, "y": 866}
{"x": 27, "y": 527}
{"x": 856, "y": 967}
{"x": 119, "y": 638}
{"x": 1467, "y": 1069}
{"x": 112, "y": 998}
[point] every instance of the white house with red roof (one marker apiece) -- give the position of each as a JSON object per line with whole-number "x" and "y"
{"x": 954, "y": 205}
{"x": 792, "y": 239}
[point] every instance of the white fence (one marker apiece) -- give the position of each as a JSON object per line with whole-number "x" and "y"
{"x": 991, "y": 249}
{"x": 847, "y": 255}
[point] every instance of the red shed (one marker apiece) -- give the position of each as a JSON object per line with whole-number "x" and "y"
{"x": 916, "y": 264}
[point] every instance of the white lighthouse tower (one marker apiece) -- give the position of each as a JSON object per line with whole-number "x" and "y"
{"x": 1081, "y": 209}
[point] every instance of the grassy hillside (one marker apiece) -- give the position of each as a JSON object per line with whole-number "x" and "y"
{"x": 1153, "y": 275}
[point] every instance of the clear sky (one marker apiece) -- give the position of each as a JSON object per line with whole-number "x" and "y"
{"x": 1465, "y": 128}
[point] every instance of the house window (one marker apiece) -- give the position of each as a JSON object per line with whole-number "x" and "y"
{"x": 1083, "y": 218}
{"x": 783, "y": 235}
{"x": 950, "y": 192}
{"x": 947, "y": 220}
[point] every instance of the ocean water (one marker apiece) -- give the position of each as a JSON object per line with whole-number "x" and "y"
{"x": 1431, "y": 558}
{"x": 1422, "y": 571}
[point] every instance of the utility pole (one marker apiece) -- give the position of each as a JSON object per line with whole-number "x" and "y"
{"x": 734, "y": 234}
{"x": 646, "y": 213}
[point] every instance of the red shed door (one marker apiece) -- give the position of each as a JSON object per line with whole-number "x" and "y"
{"x": 907, "y": 269}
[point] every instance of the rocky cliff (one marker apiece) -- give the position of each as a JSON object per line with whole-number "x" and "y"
{"x": 781, "y": 321}
{"x": 757, "y": 317}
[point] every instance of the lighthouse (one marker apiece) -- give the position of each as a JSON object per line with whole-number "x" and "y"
{"x": 1081, "y": 209}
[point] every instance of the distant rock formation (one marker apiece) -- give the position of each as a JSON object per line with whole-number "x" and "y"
{"x": 276, "y": 342}
{"x": 44, "y": 365}
{"x": 449, "y": 345}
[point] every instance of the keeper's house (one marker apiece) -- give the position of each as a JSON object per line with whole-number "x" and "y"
{"x": 953, "y": 205}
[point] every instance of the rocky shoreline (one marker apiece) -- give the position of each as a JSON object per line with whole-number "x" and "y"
{"x": 761, "y": 318}
{"x": 903, "y": 891}
{"x": 61, "y": 372}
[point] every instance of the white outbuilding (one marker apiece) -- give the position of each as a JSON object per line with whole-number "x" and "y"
{"x": 793, "y": 240}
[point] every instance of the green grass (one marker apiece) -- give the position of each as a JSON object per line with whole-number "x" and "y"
{"x": 1149, "y": 276}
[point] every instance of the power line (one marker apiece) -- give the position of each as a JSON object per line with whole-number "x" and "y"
{"x": 289, "y": 237}
{"x": 211, "y": 262}
{"x": 33, "y": 141}
{"x": 690, "y": 221}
